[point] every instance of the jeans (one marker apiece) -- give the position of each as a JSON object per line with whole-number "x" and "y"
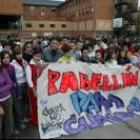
{"x": 6, "y": 121}
{"x": 17, "y": 113}
{"x": 24, "y": 104}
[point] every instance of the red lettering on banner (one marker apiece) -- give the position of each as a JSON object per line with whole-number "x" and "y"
{"x": 96, "y": 79}
{"x": 68, "y": 81}
{"x": 126, "y": 80}
{"x": 130, "y": 79}
{"x": 116, "y": 84}
{"x": 134, "y": 78}
{"x": 85, "y": 83}
{"x": 106, "y": 86}
{"x": 53, "y": 76}
{"x": 97, "y": 82}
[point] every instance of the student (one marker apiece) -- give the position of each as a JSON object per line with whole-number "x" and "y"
{"x": 16, "y": 93}
{"x": 122, "y": 58}
{"x": 6, "y": 104}
{"x": 85, "y": 58}
{"x": 91, "y": 52}
{"x": 75, "y": 54}
{"x": 98, "y": 58}
{"x": 110, "y": 60}
{"x": 20, "y": 65}
{"x": 79, "y": 46}
{"x": 135, "y": 59}
{"x": 52, "y": 53}
{"x": 7, "y": 47}
{"x": 28, "y": 51}
{"x": 67, "y": 54}
{"x": 33, "y": 71}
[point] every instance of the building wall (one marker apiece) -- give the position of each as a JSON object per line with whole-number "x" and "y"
{"x": 77, "y": 10}
{"x": 39, "y": 13}
{"x": 76, "y": 16}
{"x": 11, "y": 7}
{"x": 47, "y": 25}
{"x": 104, "y": 15}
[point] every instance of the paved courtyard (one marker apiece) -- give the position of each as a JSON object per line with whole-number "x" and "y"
{"x": 126, "y": 130}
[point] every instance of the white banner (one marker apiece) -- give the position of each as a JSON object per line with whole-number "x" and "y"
{"x": 76, "y": 97}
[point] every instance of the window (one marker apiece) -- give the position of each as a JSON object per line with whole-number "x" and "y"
{"x": 52, "y": 25}
{"x": 53, "y": 10}
{"x": 41, "y": 25}
{"x": 29, "y": 25}
{"x": 63, "y": 25}
{"x": 43, "y": 11}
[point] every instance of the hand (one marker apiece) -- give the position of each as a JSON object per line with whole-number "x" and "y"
{"x": 1, "y": 111}
{"x": 44, "y": 66}
{"x": 35, "y": 92}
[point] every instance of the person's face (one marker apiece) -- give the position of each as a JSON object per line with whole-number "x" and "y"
{"x": 99, "y": 42}
{"x": 69, "y": 54}
{"x": 111, "y": 46}
{"x": 113, "y": 56}
{"x": 6, "y": 59}
{"x": 87, "y": 42}
{"x": 35, "y": 43}
{"x": 65, "y": 41}
{"x": 85, "y": 53}
{"x": 125, "y": 48}
{"x": 19, "y": 56}
{"x": 98, "y": 55}
{"x": 123, "y": 54}
{"x": 90, "y": 49}
{"x": 29, "y": 48}
{"x": 55, "y": 45}
{"x": 79, "y": 46}
{"x": 37, "y": 57}
{"x": 73, "y": 46}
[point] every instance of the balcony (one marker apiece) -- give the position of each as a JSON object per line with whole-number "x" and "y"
{"x": 12, "y": 33}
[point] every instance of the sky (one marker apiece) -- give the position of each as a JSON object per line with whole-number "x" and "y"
{"x": 64, "y": 0}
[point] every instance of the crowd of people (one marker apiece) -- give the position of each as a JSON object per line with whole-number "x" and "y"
{"x": 21, "y": 64}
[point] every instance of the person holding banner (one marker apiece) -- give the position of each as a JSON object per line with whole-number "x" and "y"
{"x": 52, "y": 53}
{"x": 85, "y": 55}
{"x": 67, "y": 54}
{"x": 33, "y": 71}
{"x": 110, "y": 60}
{"x": 122, "y": 58}
{"x": 135, "y": 59}
{"x": 98, "y": 58}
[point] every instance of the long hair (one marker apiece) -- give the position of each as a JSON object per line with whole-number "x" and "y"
{"x": 109, "y": 54}
{"x": 1, "y": 67}
{"x": 3, "y": 53}
{"x": 16, "y": 51}
{"x": 25, "y": 45}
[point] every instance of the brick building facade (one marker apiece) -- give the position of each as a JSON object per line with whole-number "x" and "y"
{"x": 72, "y": 17}
{"x": 45, "y": 18}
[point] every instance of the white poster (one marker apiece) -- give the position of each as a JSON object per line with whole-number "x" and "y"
{"x": 76, "y": 97}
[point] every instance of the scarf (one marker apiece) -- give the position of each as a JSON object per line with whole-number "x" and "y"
{"x": 20, "y": 62}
